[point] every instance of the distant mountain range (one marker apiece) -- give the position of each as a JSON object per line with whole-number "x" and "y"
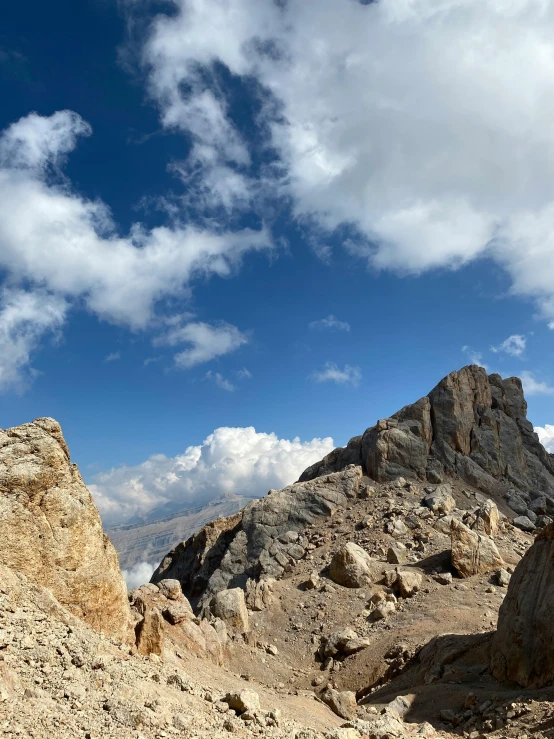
{"x": 150, "y": 540}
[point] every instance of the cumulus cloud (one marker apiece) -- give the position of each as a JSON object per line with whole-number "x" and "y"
{"x": 424, "y": 125}
{"x": 55, "y": 240}
{"x": 138, "y": 575}
{"x": 546, "y": 436}
{"x": 330, "y": 323}
{"x": 514, "y": 346}
{"x": 332, "y": 373}
{"x": 230, "y": 460}
{"x": 206, "y": 342}
{"x": 532, "y": 386}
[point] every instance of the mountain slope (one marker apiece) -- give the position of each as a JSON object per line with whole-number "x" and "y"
{"x": 471, "y": 427}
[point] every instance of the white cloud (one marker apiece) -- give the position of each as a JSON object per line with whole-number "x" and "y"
{"x": 332, "y": 373}
{"x": 532, "y": 386}
{"x": 34, "y": 142}
{"x": 206, "y": 342}
{"x": 220, "y": 381}
{"x": 138, "y": 575}
{"x": 329, "y": 323}
{"x": 243, "y": 374}
{"x": 25, "y": 319}
{"x": 231, "y": 460}
{"x": 546, "y": 436}
{"x": 425, "y": 124}
{"x": 68, "y": 246}
{"x": 113, "y": 357}
{"x": 513, "y": 345}
{"x": 475, "y": 357}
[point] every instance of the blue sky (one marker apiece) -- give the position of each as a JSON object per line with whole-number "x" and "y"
{"x": 291, "y": 216}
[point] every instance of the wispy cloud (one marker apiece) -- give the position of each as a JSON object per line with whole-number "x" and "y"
{"x": 331, "y": 323}
{"x": 220, "y": 381}
{"x": 332, "y": 373}
{"x": 206, "y": 342}
{"x": 532, "y": 386}
{"x": 113, "y": 357}
{"x": 474, "y": 356}
{"x": 514, "y": 345}
{"x": 243, "y": 374}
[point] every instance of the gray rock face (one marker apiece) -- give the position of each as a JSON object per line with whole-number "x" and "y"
{"x": 261, "y": 541}
{"x": 471, "y": 426}
{"x": 523, "y": 646}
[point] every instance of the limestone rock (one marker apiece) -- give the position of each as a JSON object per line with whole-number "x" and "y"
{"x": 408, "y": 582}
{"x": 524, "y": 523}
{"x": 50, "y": 529}
{"x": 488, "y": 518}
{"x": 230, "y": 607}
{"x": 245, "y": 700}
{"x": 149, "y": 633}
{"x": 472, "y": 553}
{"x": 397, "y": 554}
{"x": 523, "y": 646}
{"x": 343, "y": 703}
{"x": 259, "y": 595}
{"x": 352, "y": 566}
{"x": 441, "y": 500}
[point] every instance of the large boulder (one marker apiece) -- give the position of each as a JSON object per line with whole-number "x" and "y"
{"x": 523, "y": 646}
{"x": 50, "y": 529}
{"x": 230, "y": 607}
{"x": 352, "y": 566}
{"x": 472, "y": 553}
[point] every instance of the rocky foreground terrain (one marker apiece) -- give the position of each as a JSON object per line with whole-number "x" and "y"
{"x": 403, "y": 587}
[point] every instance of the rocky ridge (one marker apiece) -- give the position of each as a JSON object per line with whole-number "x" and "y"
{"x": 342, "y": 607}
{"x": 471, "y": 427}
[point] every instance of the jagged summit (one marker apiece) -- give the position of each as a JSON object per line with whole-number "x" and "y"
{"x": 471, "y": 427}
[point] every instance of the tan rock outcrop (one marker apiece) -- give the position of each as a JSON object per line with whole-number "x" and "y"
{"x": 352, "y": 566}
{"x": 472, "y": 553}
{"x": 230, "y": 607}
{"x": 523, "y": 646}
{"x": 50, "y": 529}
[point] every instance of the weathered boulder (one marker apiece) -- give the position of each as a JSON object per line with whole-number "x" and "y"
{"x": 408, "y": 583}
{"x": 343, "y": 703}
{"x": 178, "y": 629}
{"x": 345, "y": 641}
{"x": 230, "y": 607}
{"x": 472, "y": 553}
{"x": 245, "y": 700}
{"x": 352, "y": 566}
{"x": 259, "y": 595}
{"x": 524, "y": 523}
{"x": 487, "y": 518}
{"x": 50, "y": 529}
{"x": 150, "y": 633}
{"x": 523, "y": 646}
{"x": 441, "y": 499}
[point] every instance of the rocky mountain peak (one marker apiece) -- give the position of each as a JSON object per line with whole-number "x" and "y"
{"x": 472, "y": 427}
